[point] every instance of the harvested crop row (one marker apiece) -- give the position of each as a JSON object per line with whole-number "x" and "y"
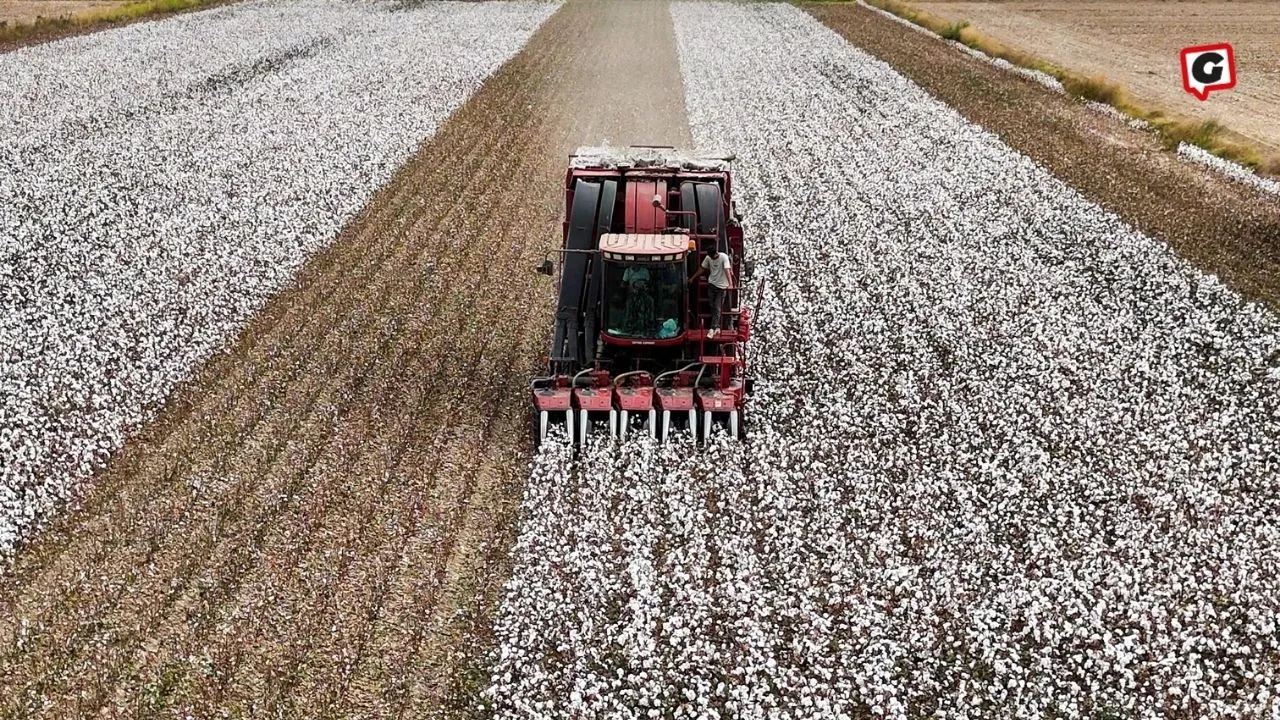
{"x": 1008, "y": 456}
{"x": 152, "y": 198}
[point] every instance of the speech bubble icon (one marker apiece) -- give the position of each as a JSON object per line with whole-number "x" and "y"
{"x": 1208, "y": 68}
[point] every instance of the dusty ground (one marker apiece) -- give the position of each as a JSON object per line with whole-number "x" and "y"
{"x": 1137, "y": 43}
{"x": 318, "y": 524}
{"x": 1220, "y": 226}
{"x": 16, "y": 12}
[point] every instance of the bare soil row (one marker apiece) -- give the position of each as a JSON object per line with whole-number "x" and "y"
{"x": 318, "y": 523}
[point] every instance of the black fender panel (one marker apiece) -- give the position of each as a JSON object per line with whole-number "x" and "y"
{"x": 565, "y": 344}
{"x": 711, "y": 214}
{"x": 595, "y": 271}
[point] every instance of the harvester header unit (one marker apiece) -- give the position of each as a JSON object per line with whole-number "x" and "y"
{"x": 635, "y": 344}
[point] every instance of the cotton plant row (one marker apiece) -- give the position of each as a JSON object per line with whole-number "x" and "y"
{"x": 1115, "y": 113}
{"x": 1235, "y": 171}
{"x": 159, "y": 182}
{"x": 1007, "y": 457}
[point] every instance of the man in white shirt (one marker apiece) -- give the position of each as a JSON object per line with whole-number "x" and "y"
{"x": 718, "y": 269}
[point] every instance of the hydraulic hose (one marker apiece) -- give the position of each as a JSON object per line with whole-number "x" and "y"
{"x": 686, "y": 368}
{"x": 627, "y": 374}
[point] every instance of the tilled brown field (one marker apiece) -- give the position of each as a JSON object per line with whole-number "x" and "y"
{"x": 1218, "y": 225}
{"x": 317, "y": 525}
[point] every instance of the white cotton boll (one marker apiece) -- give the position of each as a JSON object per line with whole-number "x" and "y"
{"x": 1230, "y": 169}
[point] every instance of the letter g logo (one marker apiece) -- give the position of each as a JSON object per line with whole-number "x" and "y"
{"x": 1207, "y": 68}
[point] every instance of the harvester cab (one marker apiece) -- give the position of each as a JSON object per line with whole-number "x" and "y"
{"x": 635, "y": 346}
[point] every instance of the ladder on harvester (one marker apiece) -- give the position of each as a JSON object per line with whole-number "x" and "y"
{"x": 728, "y": 334}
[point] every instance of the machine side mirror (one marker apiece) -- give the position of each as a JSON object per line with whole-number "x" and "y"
{"x": 547, "y": 268}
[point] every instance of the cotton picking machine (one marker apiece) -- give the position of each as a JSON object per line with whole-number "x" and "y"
{"x": 634, "y": 346}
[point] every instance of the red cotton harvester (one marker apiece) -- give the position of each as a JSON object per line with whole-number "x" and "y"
{"x": 634, "y": 345}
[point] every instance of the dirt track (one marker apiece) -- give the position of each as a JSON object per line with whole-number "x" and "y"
{"x": 317, "y": 524}
{"x": 1218, "y": 225}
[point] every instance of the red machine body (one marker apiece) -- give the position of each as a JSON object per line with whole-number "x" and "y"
{"x": 633, "y": 343}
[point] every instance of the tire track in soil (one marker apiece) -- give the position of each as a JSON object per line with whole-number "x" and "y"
{"x": 394, "y": 467}
{"x": 349, "y": 566}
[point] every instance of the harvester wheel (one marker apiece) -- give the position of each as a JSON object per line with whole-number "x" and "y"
{"x": 535, "y": 433}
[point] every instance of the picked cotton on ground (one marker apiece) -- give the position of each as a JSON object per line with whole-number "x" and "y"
{"x": 159, "y": 182}
{"x": 1007, "y": 456}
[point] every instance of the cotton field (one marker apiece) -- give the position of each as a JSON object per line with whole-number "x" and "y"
{"x": 158, "y": 182}
{"x": 1008, "y": 457}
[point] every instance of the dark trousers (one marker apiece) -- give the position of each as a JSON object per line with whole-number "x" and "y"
{"x": 717, "y": 305}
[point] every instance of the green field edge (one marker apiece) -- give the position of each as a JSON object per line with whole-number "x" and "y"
{"x": 1210, "y": 135}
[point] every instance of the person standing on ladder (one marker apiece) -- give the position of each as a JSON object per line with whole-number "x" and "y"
{"x": 718, "y": 269}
